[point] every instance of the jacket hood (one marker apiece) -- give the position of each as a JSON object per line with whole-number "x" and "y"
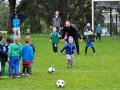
{"x": 16, "y": 47}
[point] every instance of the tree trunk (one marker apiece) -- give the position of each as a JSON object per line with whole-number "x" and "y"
{"x": 12, "y": 4}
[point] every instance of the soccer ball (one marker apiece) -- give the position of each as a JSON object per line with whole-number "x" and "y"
{"x": 60, "y": 83}
{"x": 51, "y": 70}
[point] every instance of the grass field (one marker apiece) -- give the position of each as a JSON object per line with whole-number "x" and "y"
{"x": 100, "y": 72}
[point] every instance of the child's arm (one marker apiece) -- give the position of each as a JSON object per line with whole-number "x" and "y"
{"x": 74, "y": 48}
{"x": 31, "y": 54}
{"x": 9, "y": 52}
{"x": 63, "y": 48}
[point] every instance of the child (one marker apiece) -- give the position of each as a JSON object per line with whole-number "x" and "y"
{"x": 89, "y": 38}
{"x": 55, "y": 40}
{"x": 70, "y": 49}
{"x": 27, "y": 56}
{"x": 14, "y": 54}
{"x": 3, "y": 57}
{"x": 98, "y": 32}
{"x": 33, "y": 47}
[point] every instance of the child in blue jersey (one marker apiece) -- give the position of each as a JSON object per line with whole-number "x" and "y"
{"x": 70, "y": 49}
{"x": 98, "y": 32}
{"x": 27, "y": 56}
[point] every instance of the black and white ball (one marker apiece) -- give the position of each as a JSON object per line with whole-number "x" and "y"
{"x": 60, "y": 83}
{"x": 51, "y": 70}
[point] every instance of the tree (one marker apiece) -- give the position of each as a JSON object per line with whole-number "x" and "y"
{"x": 12, "y": 4}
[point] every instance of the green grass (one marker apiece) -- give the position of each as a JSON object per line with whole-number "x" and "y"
{"x": 100, "y": 72}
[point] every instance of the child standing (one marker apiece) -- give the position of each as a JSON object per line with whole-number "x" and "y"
{"x": 33, "y": 47}
{"x": 27, "y": 56}
{"x": 14, "y": 54}
{"x": 89, "y": 38}
{"x": 98, "y": 32}
{"x": 3, "y": 57}
{"x": 55, "y": 40}
{"x": 70, "y": 49}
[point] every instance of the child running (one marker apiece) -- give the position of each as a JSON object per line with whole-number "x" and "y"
{"x": 70, "y": 49}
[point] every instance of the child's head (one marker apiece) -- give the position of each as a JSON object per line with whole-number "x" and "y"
{"x": 1, "y": 38}
{"x": 16, "y": 39}
{"x": 70, "y": 39}
{"x": 88, "y": 24}
{"x": 27, "y": 39}
{"x": 54, "y": 29}
{"x": 8, "y": 40}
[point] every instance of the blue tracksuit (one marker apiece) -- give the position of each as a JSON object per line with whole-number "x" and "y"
{"x": 27, "y": 53}
{"x": 70, "y": 48}
{"x": 16, "y": 23}
{"x": 99, "y": 30}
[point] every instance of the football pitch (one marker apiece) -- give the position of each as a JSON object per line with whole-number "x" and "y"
{"x": 100, "y": 72}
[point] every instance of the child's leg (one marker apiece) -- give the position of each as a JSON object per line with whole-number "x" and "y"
{"x": 97, "y": 36}
{"x": 30, "y": 69}
{"x": 56, "y": 48}
{"x": 87, "y": 45}
{"x": 69, "y": 60}
{"x": 86, "y": 50}
{"x": 3, "y": 67}
{"x": 72, "y": 58}
{"x": 93, "y": 49}
{"x": 53, "y": 45}
{"x": 24, "y": 67}
{"x": 17, "y": 60}
{"x": 11, "y": 63}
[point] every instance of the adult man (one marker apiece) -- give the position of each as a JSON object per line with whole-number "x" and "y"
{"x": 16, "y": 26}
{"x": 71, "y": 31}
{"x": 56, "y": 21}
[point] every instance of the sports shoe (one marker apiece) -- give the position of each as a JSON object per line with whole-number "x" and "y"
{"x": 94, "y": 54}
{"x": 23, "y": 74}
{"x": 85, "y": 54}
{"x": 10, "y": 76}
{"x": 4, "y": 76}
{"x": 27, "y": 75}
{"x": 17, "y": 76}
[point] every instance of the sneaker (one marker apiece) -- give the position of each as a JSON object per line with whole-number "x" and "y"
{"x": 85, "y": 54}
{"x": 17, "y": 76}
{"x": 23, "y": 74}
{"x": 94, "y": 54}
{"x": 4, "y": 76}
{"x": 27, "y": 75}
{"x": 10, "y": 76}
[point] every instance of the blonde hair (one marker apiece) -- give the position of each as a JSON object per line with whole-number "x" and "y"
{"x": 16, "y": 39}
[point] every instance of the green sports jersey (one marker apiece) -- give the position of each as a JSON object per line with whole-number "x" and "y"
{"x": 55, "y": 37}
{"x": 14, "y": 49}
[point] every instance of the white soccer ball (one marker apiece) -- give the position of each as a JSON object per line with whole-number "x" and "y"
{"x": 60, "y": 83}
{"x": 51, "y": 70}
